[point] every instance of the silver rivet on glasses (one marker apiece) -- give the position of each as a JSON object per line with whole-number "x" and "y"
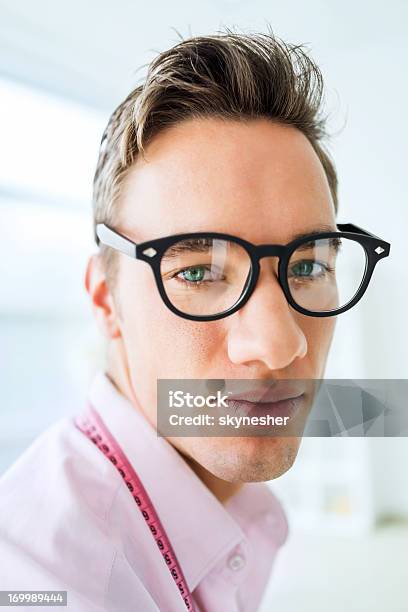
{"x": 150, "y": 252}
{"x": 379, "y": 250}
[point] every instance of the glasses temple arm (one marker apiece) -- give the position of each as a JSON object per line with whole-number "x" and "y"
{"x": 350, "y": 227}
{"x": 113, "y": 239}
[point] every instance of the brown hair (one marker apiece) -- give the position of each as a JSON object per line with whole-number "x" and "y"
{"x": 230, "y": 75}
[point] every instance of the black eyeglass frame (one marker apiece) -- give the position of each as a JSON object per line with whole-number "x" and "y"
{"x": 151, "y": 251}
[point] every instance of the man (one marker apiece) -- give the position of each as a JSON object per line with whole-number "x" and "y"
{"x": 225, "y": 136}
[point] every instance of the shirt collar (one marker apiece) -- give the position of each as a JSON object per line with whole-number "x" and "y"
{"x": 181, "y": 499}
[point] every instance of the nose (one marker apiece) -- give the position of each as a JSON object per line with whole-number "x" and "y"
{"x": 265, "y": 329}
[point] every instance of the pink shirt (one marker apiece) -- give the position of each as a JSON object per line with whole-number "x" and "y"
{"x": 68, "y": 522}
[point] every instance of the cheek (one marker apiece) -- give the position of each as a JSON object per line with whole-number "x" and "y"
{"x": 181, "y": 348}
{"x": 319, "y": 333}
{"x": 160, "y": 344}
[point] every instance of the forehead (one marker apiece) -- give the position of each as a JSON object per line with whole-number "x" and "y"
{"x": 257, "y": 179}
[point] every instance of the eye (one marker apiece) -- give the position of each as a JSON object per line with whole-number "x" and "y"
{"x": 308, "y": 268}
{"x": 194, "y": 275}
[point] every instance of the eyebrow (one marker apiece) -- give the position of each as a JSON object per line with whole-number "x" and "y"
{"x": 334, "y": 242}
{"x": 315, "y": 230}
{"x": 192, "y": 245}
{"x": 202, "y": 245}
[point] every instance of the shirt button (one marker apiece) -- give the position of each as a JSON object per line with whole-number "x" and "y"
{"x": 236, "y": 562}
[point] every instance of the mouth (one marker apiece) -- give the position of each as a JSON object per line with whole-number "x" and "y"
{"x": 278, "y": 391}
{"x": 287, "y": 407}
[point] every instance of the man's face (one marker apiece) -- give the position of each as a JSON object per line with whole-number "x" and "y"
{"x": 260, "y": 181}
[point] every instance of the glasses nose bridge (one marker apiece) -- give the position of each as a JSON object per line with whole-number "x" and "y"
{"x": 269, "y": 250}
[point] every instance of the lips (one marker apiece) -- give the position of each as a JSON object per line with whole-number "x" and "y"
{"x": 267, "y": 394}
{"x": 280, "y": 398}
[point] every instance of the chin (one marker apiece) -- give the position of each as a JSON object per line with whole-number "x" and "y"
{"x": 245, "y": 459}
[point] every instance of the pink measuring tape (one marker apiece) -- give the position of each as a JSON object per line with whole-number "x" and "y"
{"x": 95, "y": 429}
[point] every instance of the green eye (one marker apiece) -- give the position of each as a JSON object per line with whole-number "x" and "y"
{"x": 304, "y": 268}
{"x": 307, "y": 268}
{"x": 194, "y": 275}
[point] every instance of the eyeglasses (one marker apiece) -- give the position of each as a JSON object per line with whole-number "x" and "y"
{"x": 205, "y": 276}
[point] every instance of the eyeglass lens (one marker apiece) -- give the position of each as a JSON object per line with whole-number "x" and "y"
{"x": 206, "y": 276}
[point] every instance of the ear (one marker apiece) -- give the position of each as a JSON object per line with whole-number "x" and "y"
{"x": 103, "y": 305}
